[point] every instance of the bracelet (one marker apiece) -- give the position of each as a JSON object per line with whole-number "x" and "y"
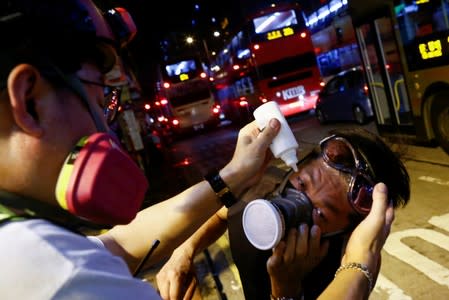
{"x": 286, "y": 298}
{"x": 220, "y": 188}
{"x": 359, "y": 267}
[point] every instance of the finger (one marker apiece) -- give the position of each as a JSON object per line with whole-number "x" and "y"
{"x": 316, "y": 250}
{"x": 175, "y": 289}
{"x": 315, "y": 241}
{"x": 164, "y": 289}
{"x": 389, "y": 218}
{"x": 302, "y": 243}
{"x": 176, "y": 284}
{"x": 191, "y": 288}
{"x": 277, "y": 257}
{"x": 265, "y": 137}
{"x": 390, "y": 214}
{"x": 289, "y": 253}
{"x": 380, "y": 201}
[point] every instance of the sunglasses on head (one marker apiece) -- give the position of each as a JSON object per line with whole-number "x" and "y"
{"x": 339, "y": 154}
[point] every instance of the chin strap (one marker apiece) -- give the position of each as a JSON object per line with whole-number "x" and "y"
{"x": 28, "y": 208}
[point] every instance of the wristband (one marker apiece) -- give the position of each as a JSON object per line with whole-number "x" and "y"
{"x": 220, "y": 188}
{"x": 359, "y": 267}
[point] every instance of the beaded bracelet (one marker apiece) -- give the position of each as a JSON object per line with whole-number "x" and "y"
{"x": 359, "y": 267}
{"x": 286, "y": 298}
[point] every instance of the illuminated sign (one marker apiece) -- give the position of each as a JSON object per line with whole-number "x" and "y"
{"x": 184, "y": 77}
{"x": 276, "y": 34}
{"x": 428, "y": 51}
{"x": 431, "y": 49}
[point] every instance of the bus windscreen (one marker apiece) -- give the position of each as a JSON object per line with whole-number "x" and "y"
{"x": 275, "y": 21}
{"x": 185, "y": 66}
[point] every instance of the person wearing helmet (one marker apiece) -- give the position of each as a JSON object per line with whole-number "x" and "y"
{"x": 63, "y": 172}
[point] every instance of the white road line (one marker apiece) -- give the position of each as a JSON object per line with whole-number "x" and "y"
{"x": 384, "y": 285}
{"x": 428, "y": 267}
{"x": 431, "y": 179}
{"x": 440, "y": 221}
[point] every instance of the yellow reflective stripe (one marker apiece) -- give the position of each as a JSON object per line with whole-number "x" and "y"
{"x": 62, "y": 184}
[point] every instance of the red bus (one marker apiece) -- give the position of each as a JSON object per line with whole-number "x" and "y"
{"x": 333, "y": 36}
{"x": 185, "y": 97}
{"x": 271, "y": 58}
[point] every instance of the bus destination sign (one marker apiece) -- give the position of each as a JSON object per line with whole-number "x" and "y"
{"x": 279, "y": 33}
{"x": 428, "y": 52}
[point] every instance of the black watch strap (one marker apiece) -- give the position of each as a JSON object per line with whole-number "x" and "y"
{"x": 220, "y": 188}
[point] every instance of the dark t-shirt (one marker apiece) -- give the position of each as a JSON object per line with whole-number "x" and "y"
{"x": 251, "y": 262}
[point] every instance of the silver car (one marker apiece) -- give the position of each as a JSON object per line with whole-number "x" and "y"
{"x": 345, "y": 98}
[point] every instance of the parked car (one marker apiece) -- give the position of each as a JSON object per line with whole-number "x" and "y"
{"x": 345, "y": 98}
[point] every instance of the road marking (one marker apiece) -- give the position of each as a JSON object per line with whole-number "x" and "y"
{"x": 385, "y": 285}
{"x": 403, "y": 252}
{"x": 431, "y": 179}
{"x": 440, "y": 221}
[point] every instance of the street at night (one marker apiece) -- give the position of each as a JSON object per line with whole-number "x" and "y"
{"x": 147, "y": 151}
{"x": 415, "y": 262}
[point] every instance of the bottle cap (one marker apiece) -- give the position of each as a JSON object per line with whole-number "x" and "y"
{"x": 290, "y": 159}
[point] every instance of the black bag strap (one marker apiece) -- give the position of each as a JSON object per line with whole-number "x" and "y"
{"x": 31, "y": 208}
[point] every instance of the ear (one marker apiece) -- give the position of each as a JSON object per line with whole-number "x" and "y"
{"x": 23, "y": 83}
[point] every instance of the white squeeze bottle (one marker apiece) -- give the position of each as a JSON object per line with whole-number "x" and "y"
{"x": 284, "y": 145}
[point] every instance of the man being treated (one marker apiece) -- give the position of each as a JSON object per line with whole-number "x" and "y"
{"x": 337, "y": 178}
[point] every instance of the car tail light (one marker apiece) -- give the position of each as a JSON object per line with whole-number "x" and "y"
{"x": 365, "y": 89}
{"x": 243, "y": 103}
{"x": 216, "y": 109}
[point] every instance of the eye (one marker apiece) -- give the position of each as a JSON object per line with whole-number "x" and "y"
{"x": 319, "y": 213}
{"x": 301, "y": 184}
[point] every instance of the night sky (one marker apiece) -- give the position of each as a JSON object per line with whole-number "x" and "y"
{"x": 155, "y": 21}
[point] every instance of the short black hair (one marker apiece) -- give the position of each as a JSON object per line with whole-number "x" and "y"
{"x": 386, "y": 164}
{"x": 46, "y": 31}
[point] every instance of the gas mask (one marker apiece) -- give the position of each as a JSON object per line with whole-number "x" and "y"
{"x": 100, "y": 182}
{"x": 266, "y": 221}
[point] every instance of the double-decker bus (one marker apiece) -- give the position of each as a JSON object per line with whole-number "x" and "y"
{"x": 185, "y": 97}
{"x": 334, "y": 39}
{"x": 404, "y": 45}
{"x": 270, "y": 58}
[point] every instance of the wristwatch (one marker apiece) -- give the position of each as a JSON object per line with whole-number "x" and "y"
{"x": 220, "y": 188}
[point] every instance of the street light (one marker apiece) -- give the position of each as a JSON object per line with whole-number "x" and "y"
{"x": 190, "y": 40}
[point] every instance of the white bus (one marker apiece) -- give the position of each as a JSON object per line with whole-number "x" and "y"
{"x": 185, "y": 96}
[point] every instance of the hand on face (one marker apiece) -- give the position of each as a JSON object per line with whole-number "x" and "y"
{"x": 294, "y": 258}
{"x": 367, "y": 239}
{"x": 251, "y": 154}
